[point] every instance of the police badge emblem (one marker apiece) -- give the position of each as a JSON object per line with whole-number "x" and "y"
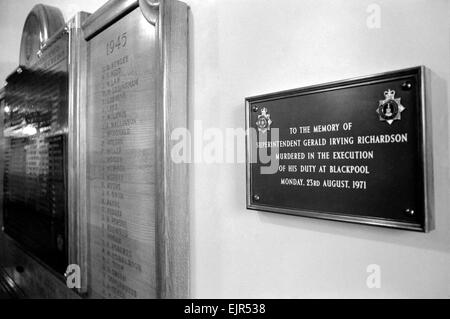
{"x": 390, "y": 108}
{"x": 264, "y": 121}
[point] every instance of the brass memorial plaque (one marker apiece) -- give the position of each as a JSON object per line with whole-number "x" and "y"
{"x": 121, "y": 159}
{"x": 353, "y": 150}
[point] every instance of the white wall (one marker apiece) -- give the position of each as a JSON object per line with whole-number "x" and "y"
{"x": 13, "y": 14}
{"x": 246, "y": 47}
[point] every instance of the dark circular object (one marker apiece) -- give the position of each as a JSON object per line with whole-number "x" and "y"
{"x": 20, "y": 269}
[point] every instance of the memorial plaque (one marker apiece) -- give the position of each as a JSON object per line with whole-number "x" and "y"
{"x": 121, "y": 159}
{"x": 35, "y": 160}
{"x": 354, "y": 150}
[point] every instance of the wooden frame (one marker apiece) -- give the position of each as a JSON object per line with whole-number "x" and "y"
{"x": 172, "y": 220}
{"x": 77, "y": 230}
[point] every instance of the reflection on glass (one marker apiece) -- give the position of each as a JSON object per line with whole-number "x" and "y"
{"x": 35, "y": 158}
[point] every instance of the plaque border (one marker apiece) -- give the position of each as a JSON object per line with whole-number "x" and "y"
{"x": 424, "y": 146}
{"x": 77, "y": 213}
{"x": 170, "y": 17}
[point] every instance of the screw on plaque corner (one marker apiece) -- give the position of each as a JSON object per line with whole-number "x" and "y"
{"x": 406, "y": 85}
{"x": 255, "y": 108}
{"x": 410, "y": 212}
{"x": 256, "y": 198}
